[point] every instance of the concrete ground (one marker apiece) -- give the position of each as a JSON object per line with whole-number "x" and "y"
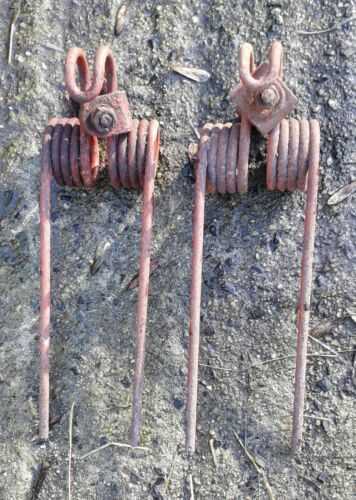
{"x": 251, "y": 264}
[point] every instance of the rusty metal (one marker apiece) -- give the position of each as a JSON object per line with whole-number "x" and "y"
{"x": 221, "y": 166}
{"x": 100, "y": 115}
{"x": 70, "y": 155}
{"x": 262, "y": 97}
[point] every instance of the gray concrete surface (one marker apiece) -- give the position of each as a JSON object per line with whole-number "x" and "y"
{"x": 251, "y": 266}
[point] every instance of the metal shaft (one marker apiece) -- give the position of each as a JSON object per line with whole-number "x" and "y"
{"x": 144, "y": 276}
{"x": 45, "y": 289}
{"x": 195, "y": 296}
{"x": 303, "y": 313}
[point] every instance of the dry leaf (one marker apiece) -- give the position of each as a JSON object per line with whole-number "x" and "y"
{"x": 120, "y": 19}
{"x": 341, "y": 194}
{"x": 195, "y": 74}
{"x": 100, "y": 254}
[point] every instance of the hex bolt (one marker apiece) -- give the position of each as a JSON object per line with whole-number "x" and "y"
{"x": 103, "y": 119}
{"x": 269, "y": 97}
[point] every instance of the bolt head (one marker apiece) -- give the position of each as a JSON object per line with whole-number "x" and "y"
{"x": 103, "y": 119}
{"x": 106, "y": 120}
{"x": 269, "y": 97}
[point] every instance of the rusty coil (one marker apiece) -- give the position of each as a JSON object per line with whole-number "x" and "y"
{"x": 227, "y": 156}
{"x": 288, "y": 149}
{"x": 127, "y": 154}
{"x": 71, "y": 155}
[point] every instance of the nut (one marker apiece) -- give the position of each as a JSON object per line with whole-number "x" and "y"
{"x": 103, "y": 119}
{"x": 269, "y": 97}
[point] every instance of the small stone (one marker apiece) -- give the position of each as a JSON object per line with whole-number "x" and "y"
{"x": 333, "y": 104}
{"x": 178, "y": 403}
{"x": 103, "y": 440}
{"x": 324, "y": 384}
{"x": 277, "y": 17}
{"x": 75, "y": 370}
{"x": 321, "y": 281}
{"x": 214, "y": 228}
{"x": 126, "y": 382}
{"x": 316, "y": 108}
{"x": 348, "y": 51}
{"x": 323, "y": 477}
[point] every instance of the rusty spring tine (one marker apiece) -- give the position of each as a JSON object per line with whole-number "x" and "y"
{"x": 105, "y": 66}
{"x": 72, "y": 158}
{"x": 306, "y": 284}
{"x": 195, "y": 295}
{"x": 144, "y": 276}
{"x": 223, "y": 152}
{"x": 292, "y": 158}
{"x": 45, "y": 286}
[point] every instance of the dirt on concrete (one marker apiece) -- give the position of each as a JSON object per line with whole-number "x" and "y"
{"x": 251, "y": 264}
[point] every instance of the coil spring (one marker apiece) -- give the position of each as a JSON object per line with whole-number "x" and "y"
{"x": 227, "y": 157}
{"x": 288, "y": 147}
{"x": 73, "y": 156}
{"x": 128, "y": 154}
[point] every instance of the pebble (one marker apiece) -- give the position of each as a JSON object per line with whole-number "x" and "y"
{"x": 316, "y": 108}
{"x": 348, "y": 51}
{"x": 178, "y": 403}
{"x": 324, "y": 384}
{"x": 103, "y": 440}
{"x": 333, "y": 104}
{"x": 214, "y": 228}
{"x": 323, "y": 477}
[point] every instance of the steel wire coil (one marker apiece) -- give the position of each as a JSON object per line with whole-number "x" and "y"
{"x": 288, "y": 149}
{"x": 227, "y": 156}
{"x": 228, "y": 145}
{"x": 127, "y": 154}
{"x": 71, "y": 155}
